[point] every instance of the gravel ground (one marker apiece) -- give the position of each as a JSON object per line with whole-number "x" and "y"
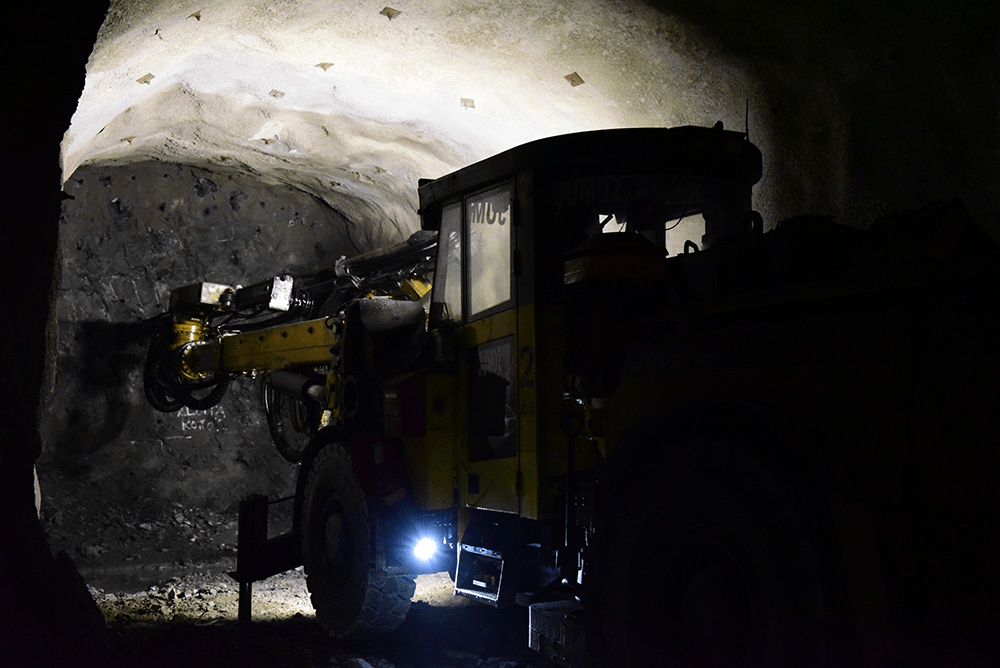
{"x": 160, "y": 578}
{"x": 193, "y": 619}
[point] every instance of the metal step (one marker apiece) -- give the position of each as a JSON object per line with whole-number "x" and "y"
{"x": 480, "y": 575}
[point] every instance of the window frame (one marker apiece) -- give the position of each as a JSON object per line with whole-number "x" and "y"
{"x": 440, "y": 292}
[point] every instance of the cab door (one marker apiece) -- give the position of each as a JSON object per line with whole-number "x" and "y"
{"x": 488, "y": 474}
{"x": 474, "y": 307}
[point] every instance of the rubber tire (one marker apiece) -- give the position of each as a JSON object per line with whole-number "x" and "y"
{"x": 350, "y": 596}
{"x": 709, "y": 566}
{"x": 287, "y": 438}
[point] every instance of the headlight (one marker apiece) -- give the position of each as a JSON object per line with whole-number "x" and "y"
{"x": 424, "y": 549}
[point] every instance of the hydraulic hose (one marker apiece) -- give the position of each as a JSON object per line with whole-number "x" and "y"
{"x": 165, "y": 392}
{"x": 154, "y": 388}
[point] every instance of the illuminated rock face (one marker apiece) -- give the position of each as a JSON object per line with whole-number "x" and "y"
{"x": 229, "y": 141}
{"x": 312, "y": 89}
{"x": 130, "y": 235}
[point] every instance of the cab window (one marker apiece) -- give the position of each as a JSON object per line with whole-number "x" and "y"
{"x": 488, "y": 231}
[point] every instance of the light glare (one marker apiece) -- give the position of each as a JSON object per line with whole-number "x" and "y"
{"x": 424, "y": 549}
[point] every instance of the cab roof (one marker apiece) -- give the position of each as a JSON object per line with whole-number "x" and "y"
{"x": 688, "y": 151}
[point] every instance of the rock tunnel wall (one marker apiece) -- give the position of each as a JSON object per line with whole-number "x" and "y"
{"x": 129, "y": 235}
{"x": 860, "y": 110}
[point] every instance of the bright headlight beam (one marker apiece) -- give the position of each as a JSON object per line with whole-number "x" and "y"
{"x": 424, "y": 549}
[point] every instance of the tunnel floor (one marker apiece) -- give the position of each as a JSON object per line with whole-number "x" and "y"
{"x": 192, "y": 620}
{"x": 160, "y": 578}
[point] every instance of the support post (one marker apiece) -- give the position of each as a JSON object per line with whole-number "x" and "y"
{"x": 250, "y": 550}
{"x": 245, "y": 614}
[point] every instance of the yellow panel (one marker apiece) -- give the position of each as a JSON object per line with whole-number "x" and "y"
{"x": 489, "y": 329}
{"x": 496, "y": 488}
{"x": 278, "y": 347}
{"x": 529, "y": 485}
{"x": 430, "y": 461}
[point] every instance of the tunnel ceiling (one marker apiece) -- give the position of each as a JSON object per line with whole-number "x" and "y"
{"x": 354, "y": 101}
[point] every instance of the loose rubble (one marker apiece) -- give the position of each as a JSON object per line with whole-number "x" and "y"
{"x": 195, "y": 617}
{"x": 160, "y": 578}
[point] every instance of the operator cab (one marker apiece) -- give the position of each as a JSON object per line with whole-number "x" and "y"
{"x": 519, "y": 234}
{"x": 675, "y": 187}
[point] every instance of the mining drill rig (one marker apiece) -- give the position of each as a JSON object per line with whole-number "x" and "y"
{"x": 766, "y": 448}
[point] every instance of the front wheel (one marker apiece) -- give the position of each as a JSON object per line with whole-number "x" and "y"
{"x": 350, "y": 595}
{"x": 709, "y": 566}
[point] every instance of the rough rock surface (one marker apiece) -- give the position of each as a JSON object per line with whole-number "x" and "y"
{"x": 130, "y": 235}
